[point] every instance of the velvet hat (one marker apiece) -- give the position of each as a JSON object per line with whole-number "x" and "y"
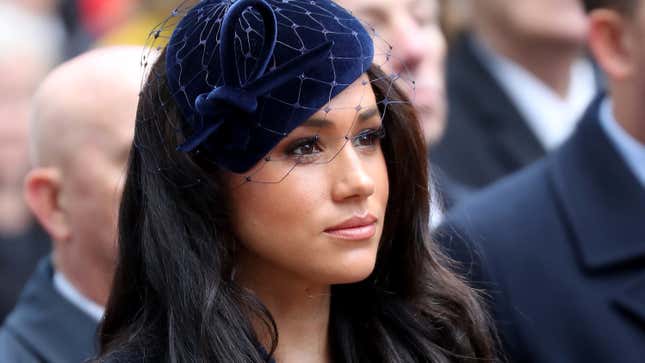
{"x": 245, "y": 73}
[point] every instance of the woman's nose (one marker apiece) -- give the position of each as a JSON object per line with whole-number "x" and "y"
{"x": 352, "y": 179}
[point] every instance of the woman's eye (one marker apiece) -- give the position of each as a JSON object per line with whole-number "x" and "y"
{"x": 369, "y": 137}
{"x": 305, "y": 147}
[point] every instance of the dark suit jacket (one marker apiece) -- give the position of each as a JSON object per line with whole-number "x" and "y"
{"x": 486, "y": 137}
{"x": 45, "y": 327}
{"x": 19, "y": 256}
{"x": 560, "y": 248}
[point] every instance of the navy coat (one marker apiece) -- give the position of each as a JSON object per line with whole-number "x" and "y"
{"x": 45, "y": 327}
{"x": 448, "y": 190}
{"x": 19, "y": 255}
{"x": 560, "y": 248}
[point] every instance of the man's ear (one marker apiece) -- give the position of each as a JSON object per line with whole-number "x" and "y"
{"x": 611, "y": 44}
{"x": 42, "y": 191}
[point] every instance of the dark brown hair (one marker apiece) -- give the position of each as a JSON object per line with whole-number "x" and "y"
{"x": 173, "y": 298}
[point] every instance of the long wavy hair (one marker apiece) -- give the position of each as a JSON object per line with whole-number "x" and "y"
{"x": 173, "y": 298}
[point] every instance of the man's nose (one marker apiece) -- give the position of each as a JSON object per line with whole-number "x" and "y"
{"x": 409, "y": 45}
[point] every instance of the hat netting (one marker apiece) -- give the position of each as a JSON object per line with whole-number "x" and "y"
{"x": 230, "y": 140}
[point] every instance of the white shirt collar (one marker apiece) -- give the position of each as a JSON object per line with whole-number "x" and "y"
{"x": 631, "y": 150}
{"x": 69, "y": 292}
{"x": 551, "y": 118}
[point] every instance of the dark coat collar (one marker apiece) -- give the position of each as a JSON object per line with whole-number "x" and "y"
{"x": 602, "y": 200}
{"x": 497, "y": 112}
{"x": 51, "y": 326}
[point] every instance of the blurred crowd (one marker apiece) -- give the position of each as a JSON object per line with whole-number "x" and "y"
{"x": 540, "y": 200}
{"x": 36, "y": 36}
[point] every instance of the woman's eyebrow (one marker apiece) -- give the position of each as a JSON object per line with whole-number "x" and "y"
{"x": 368, "y": 114}
{"x": 323, "y": 122}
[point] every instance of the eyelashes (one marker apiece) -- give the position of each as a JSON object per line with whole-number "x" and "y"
{"x": 312, "y": 149}
{"x": 370, "y": 137}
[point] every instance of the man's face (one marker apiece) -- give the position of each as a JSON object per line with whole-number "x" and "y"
{"x": 543, "y": 20}
{"x": 93, "y": 177}
{"x": 419, "y": 49}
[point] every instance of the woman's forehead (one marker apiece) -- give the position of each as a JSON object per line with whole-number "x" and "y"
{"x": 350, "y": 109}
{"x": 358, "y": 95}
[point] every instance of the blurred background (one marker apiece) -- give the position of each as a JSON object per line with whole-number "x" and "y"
{"x": 35, "y": 36}
{"x": 522, "y": 161}
{"x": 476, "y": 40}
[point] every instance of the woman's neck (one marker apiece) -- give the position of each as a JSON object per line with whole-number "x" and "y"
{"x": 300, "y": 310}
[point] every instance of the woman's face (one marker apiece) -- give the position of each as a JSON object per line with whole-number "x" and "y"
{"x": 323, "y": 222}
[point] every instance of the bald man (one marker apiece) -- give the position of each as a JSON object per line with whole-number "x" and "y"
{"x": 81, "y": 130}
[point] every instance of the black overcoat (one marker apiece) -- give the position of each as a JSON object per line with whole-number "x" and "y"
{"x": 560, "y": 249}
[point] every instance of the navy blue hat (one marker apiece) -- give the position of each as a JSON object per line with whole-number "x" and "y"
{"x": 245, "y": 73}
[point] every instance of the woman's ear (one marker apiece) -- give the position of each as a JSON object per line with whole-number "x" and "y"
{"x": 611, "y": 44}
{"x": 42, "y": 190}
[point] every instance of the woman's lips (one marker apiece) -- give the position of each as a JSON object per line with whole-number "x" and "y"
{"x": 354, "y": 234}
{"x": 355, "y": 228}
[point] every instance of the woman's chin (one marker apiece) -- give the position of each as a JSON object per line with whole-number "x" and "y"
{"x": 351, "y": 272}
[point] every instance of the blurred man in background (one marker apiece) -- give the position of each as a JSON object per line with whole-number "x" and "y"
{"x": 412, "y": 27}
{"x": 517, "y": 84}
{"x": 81, "y": 130}
{"x": 25, "y": 58}
{"x": 560, "y": 246}
{"x": 419, "y": 50}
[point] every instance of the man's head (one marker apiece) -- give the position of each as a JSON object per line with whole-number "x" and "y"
{"x": 81, "y": 130}
{"x": 412, "y": 27}
{"x": 552, "y": 21}
{"x": 616, "y": 38}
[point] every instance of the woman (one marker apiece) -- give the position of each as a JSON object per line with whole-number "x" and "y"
{"x": 276, "y": 203}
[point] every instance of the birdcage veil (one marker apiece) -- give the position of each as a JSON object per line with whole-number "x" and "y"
{"x": 244, "y": 74}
